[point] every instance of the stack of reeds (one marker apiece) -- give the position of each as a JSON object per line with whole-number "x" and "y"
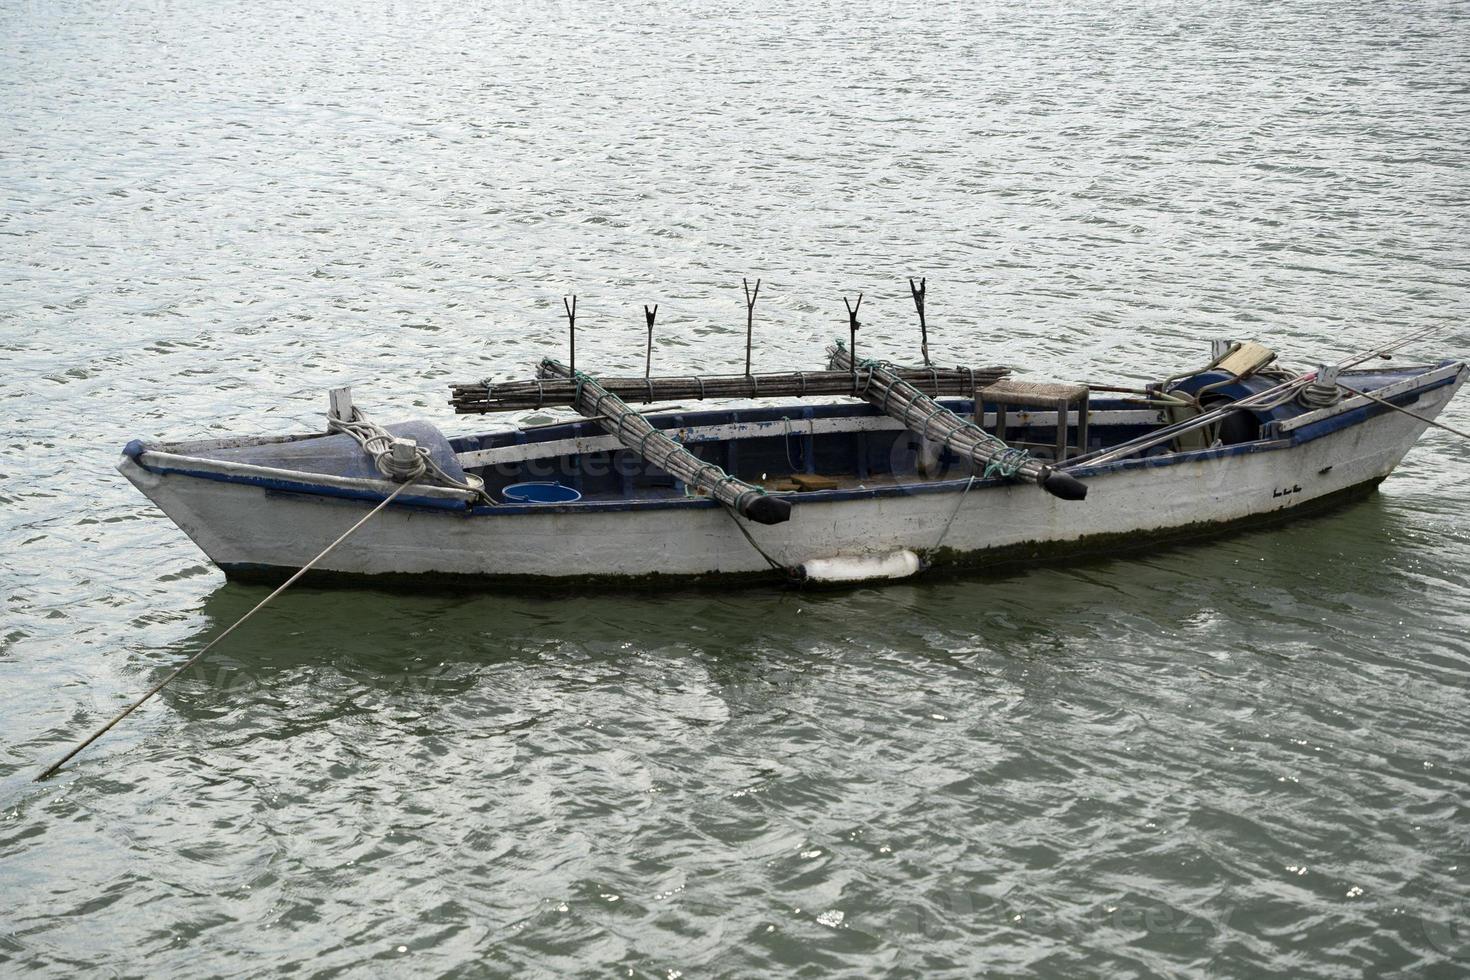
{"x": 549, "y": 390}
{"x": 638, "y": 434}
{"x": 887, "y": 390}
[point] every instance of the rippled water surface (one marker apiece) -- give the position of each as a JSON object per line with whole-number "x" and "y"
{"x": 1242, "y": 758}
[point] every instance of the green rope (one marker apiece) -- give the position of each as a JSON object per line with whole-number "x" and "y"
{"x": 1006, "y": 462}
{"x": 581, "y": 378}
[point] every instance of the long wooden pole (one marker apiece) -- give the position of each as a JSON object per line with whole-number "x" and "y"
{"x": 648, "y": 357}
{"x": 750, "y": 297}
{"x": 918, "y": 294}
{"x": 852, "y": 328}
{"x": 571, "y": 309}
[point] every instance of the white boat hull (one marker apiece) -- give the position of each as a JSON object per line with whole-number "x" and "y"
{"x": 251, "y": 530}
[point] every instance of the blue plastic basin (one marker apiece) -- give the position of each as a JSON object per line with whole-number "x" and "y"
{"x": 540, "y": 493}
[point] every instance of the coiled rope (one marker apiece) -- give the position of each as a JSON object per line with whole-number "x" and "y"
{"x": 377, "y": 442}
{"x": 1318, "y": 395}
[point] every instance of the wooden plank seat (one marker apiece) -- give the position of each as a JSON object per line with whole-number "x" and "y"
{"x": 1053, "y": 396}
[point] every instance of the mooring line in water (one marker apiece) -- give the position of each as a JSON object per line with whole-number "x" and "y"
{"x": 761, "y": 551}
{"x": 192, "y": 660}
{"x": 954, "y": 513}
{"x": 1399, "y": 408}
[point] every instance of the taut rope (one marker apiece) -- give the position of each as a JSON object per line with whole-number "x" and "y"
{"x": 192, "y": 660}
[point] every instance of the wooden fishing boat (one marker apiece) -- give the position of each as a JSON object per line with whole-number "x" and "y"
{"x": 907, "y": 469}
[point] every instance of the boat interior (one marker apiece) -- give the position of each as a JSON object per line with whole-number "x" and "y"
{"x": 806, "y": 447}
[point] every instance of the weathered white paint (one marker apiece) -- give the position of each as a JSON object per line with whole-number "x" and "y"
{"x": 339, "y": 404}
{"x": 244, "y": 525}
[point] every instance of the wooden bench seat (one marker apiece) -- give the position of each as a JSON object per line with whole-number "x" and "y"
{"x": 1052, "y": 396}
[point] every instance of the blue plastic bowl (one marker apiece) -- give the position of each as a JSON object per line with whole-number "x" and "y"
{"x": 540, "y": 493}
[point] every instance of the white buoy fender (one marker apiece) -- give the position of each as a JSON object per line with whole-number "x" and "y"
{"x": 860, "y": 568}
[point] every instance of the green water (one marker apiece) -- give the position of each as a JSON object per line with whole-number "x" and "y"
{"x": 1242, "y": 758}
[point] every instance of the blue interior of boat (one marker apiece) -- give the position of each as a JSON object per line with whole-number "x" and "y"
{"x": 767, "y": 446}
{"x": 852, "y": 459}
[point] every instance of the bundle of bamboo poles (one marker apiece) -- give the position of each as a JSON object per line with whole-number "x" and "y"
{"x": 550, "y": 390}
{"x": 890, "y": 393}
{"x": 638, "y": 434}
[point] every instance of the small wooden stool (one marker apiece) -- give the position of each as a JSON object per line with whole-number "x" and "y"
{"x": 1040, "y": 394}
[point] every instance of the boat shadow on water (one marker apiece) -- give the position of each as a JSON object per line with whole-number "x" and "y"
{"x": 397, "y": 644}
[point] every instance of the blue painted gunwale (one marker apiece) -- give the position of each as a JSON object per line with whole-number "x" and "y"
{"x": 273, "y": 485}
{"x": 572, "y": 429}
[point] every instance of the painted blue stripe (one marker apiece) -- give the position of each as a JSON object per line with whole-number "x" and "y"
{"x": 311, "y": 489}
{"x": 1175, "y": 459}
{"x": 1327, "y": 426}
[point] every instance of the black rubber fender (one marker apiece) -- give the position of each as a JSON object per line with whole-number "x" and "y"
{"x": 1063, "y": 485}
